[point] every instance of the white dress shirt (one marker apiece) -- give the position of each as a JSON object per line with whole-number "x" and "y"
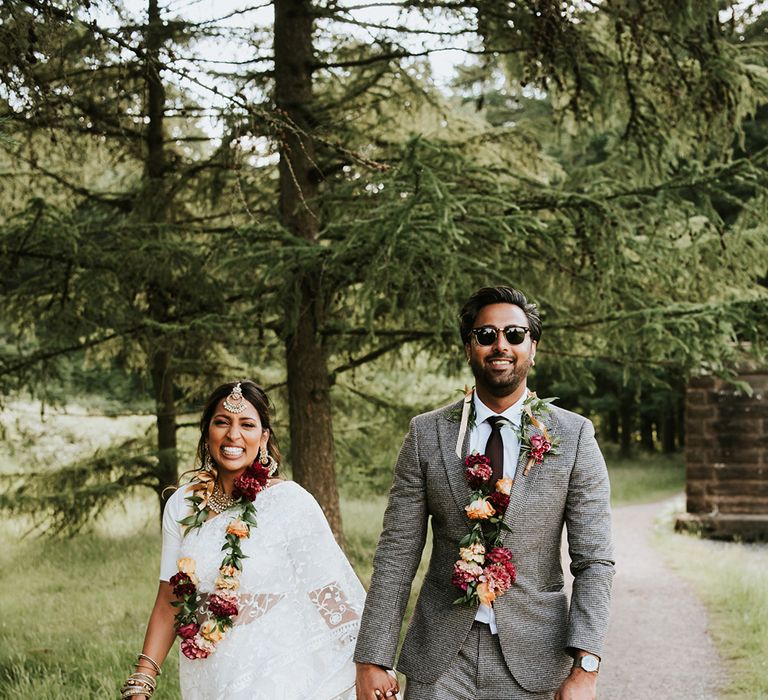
{"x": 478, "y": 437}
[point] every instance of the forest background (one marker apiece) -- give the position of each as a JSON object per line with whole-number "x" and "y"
{"x": 301, "y": 193}
{"x": 283, "y": 191}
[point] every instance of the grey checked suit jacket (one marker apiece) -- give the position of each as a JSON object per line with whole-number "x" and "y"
{"x": 536, "y": 624}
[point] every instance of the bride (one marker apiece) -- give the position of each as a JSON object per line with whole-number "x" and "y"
{"x": 264, "y": 602}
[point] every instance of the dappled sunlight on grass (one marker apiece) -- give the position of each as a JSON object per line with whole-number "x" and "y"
{"x": 139, "y": 511}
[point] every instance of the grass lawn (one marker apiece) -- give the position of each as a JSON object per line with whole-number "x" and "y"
{"x": 75, "y": 610}
{"x": 74, "y": 613}
{"x": 645, "y": 478}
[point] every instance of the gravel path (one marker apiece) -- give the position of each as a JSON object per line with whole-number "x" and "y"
{"x": 658, "y": 646}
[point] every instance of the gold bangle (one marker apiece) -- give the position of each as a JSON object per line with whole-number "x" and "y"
{"x": 135, "y": 691}
{"x": 140, "y": 674}
{"x": 138, "y": 684}
{"x": 147, "y": 689}
{"x": 139, "y": 678}
{"x": 152, "y": 662}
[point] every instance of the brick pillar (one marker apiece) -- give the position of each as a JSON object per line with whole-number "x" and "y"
{"x": 727, "y": 457}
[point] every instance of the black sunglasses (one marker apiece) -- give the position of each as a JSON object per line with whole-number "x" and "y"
{"x": 486, "y": 335}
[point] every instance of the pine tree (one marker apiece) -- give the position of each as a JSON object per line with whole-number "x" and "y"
{"x": 344, "y": 206}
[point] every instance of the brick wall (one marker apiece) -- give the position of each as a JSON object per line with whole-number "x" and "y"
{"x": 727, "y": 446}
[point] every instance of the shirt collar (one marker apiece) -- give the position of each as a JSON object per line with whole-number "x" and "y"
{"x": 512, "y": 414}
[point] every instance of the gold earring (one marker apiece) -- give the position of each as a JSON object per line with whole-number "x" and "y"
{"x": 267, "y": 460}
{"x": 208, "y": 463}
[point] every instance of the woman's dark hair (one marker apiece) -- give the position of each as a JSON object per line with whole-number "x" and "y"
{"x": 252, "y": 393}
{"x": 497, "y": 295}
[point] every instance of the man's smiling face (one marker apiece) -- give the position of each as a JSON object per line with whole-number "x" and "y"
{"x": 500, "y": 368}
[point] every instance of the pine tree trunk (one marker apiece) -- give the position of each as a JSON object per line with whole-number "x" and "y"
{"x": 668, "y": 426}
{"x": 646, "y": 433}
{"x": 626, "y": 418}
{"x": 680, "y": 422}
{"x": 155, "y": 213}
{"x": 165, "y": 411}
{"x": 312, "y": 450}
{"x": 613, "y": 426}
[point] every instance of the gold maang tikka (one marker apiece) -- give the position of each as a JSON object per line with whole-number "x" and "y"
{"x": 235, "y": 403}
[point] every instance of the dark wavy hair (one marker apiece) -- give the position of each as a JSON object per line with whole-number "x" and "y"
{"x": 252, "y": 393}
{"x": 497, "y": 295}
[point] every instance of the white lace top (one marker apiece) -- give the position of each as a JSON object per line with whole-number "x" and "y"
{"x": 300, "y": 602}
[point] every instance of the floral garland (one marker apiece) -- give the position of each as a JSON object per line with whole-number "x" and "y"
{"x": 199, "y": 641}
{"x": 484, "y": 570}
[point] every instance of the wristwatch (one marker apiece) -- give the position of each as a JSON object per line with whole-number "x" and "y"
{"x": 588, "y": 662}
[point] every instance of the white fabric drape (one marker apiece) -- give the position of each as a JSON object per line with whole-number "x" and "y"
{"x": 300, "y": 606}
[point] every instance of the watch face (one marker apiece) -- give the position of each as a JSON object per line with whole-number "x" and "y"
{"x": 590, "y": 663}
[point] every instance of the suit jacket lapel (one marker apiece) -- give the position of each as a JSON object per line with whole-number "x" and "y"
{"x": 524, "y": 484}
{"x": 448, "y": 433}
{"x": 520, "y": 489}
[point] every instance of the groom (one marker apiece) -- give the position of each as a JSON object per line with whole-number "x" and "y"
{"x": 529, "y": 643}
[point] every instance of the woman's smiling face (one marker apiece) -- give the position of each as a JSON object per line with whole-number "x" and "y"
{"x": 234, "y": 439}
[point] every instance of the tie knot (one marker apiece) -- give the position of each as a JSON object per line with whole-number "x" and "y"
{"x": 496, "y": 422}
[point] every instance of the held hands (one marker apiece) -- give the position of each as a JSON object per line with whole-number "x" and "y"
{"x": 580, "y": 685}
{"x": 375, "y": 683}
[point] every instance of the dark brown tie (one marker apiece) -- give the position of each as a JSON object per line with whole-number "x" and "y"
{"x": 494, "y": 449}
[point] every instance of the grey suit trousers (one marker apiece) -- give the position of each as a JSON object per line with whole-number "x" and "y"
{"x": 478, "y": 673}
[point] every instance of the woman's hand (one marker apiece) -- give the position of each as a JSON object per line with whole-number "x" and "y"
{"x": 374, "y": 682}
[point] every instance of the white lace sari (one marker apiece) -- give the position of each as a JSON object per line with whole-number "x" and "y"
{"x": 300, "y": 606}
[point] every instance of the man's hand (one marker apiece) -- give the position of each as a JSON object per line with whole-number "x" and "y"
{"x": 374, "y": 682}
{"x": 580, "y": 685}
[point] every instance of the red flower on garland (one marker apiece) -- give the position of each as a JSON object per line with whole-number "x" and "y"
{"x": 498, "y": 578}
{"x": 499, "y": 501}
{"x": 196, "y": 648}
{"x": 221, "y": 606}
{"x": 478, "y": 470}
{"x": 182, "y": 585}
{"x": 498, "y": 555}
{"x": 250, "y": 482}
{"x": 187, "y": 631}
{"x": 465, "y": 573}
{"x": 503, "y": 557}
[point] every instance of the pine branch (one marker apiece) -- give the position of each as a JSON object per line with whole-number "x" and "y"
{"x": 672, "y": 311}
{"x": 370, "y": 356}
{"x": 36, "y": 358}
{"x": 122, "y": 202}
{"x": 403, "y": 53}
{"x": 66, "y": 500}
